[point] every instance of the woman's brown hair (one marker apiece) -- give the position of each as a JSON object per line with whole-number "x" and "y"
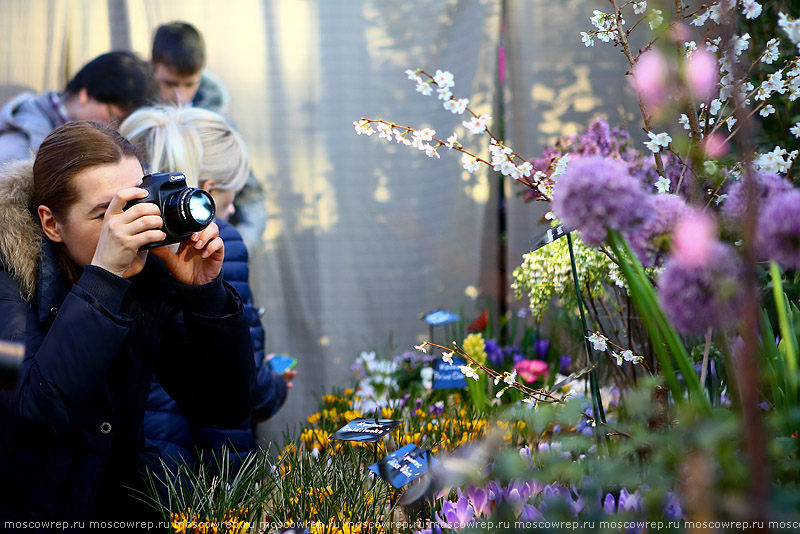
{"x": 68, "y": 150}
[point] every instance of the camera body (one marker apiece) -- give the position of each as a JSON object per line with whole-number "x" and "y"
{"x": 184, "y": 209}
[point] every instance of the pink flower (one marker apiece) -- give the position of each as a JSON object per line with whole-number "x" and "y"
{"x": 693, "y": 239}
{"x": 701, "y": 73}
{"x": 715, "y": 146}
{"x": 530, "y": 370}
{"x": 650, "y": 75}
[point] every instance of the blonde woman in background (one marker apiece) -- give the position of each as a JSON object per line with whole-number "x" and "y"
{"x": 202, "y": 145}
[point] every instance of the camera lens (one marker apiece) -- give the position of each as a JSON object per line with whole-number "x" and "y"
{"x": 188, "y": 210}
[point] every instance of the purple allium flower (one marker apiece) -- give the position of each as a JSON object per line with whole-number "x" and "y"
{"x": 541, "y": 346}
{"x": 493, "y": 352}
{"x": 778, "y": 235}
{"x": 697, "y": 297}
{"x": 563, "y": 364}
{"x": 597, "y": 194}
{"x": 767, "y": 185}
{"x": 650, "y": 241}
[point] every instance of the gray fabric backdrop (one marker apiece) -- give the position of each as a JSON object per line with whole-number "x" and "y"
{"x": 362, "y": 235}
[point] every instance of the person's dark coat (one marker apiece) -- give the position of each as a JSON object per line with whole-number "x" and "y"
{"x": 170, "y": 435}
{"x": 72, "y": 431}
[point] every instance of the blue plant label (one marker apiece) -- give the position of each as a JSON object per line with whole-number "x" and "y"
{"x": 549, "y": 236}
{"x": 448, "y": 375}
{"x": 404, "y": 465}
{"x": 365, "y": 429}
{"x": 440, "y": 317}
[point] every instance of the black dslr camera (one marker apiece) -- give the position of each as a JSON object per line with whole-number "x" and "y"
{"x": 184, "y": 209}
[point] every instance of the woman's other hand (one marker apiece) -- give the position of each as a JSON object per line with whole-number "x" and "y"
{"x": 199, "y": 258}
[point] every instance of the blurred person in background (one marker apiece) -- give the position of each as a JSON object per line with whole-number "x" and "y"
{"x": 106, "y": 90}
{"x": 202, "y": 145}
{"x": 178, "y": 58}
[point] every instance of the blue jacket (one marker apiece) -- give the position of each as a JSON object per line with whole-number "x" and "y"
{"x": 170, "y": 434}
{"x": 72, "y": 433}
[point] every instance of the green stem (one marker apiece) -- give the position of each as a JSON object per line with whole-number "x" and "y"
{"x": 645, "y": 298}
{"x": 593, "y": 382}
{"x": 787, "y": 333}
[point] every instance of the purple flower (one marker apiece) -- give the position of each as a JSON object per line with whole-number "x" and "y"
{"x": 456, "y": 515}
{"x": 628, "y": 502}
{"x": 563, "y": 364}
{"x": 652, "y": 239}
{"x": 541, "y": 346}
{"x": 530, "y": 513}
{"x": 479, "y": 498}
{"x": 609, "y": 504}
{"x": 513, "y": 352}
{"x": 493, "y": 352}
{"x": 767, "y": 185}
{"x": 696, "y": 297}
{"x": 597, "y": 194}
{"x": 778, "y": 235}
{"x": 437, "y": 408}
{"x": 672, "y": 507}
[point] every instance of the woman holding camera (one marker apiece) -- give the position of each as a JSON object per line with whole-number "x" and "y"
{"x": 99, "y": 318}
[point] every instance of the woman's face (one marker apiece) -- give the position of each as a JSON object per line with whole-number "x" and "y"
{"x": 80, "y": 230}
{"x": 223, "y": 200}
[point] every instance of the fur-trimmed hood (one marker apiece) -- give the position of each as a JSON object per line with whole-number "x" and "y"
{"x": 20, "y": 234}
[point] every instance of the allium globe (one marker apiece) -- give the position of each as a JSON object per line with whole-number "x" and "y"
{"x": 778, "y": 235}
{"x": 767, "y": 186}
{"x": 698, "y": 296}
{"x": 597, "y": 194}
{"x": 651, "y": 241}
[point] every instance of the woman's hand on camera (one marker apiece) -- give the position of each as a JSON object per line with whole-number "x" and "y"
{"x": 124, "y": 232}
{"x": 199, "y": 258}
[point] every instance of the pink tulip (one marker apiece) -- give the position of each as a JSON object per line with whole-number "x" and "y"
{"x": 530, "y": 370}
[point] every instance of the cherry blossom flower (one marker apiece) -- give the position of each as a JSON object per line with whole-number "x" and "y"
{"x": 469, "y": 372}
{"x": 470, "y": 163}
{"x": 640, "y": 7}
{"x": 363, "y": 127}
{"x": 443, "y": 78}
{"x": 662, "y": 184}
{"x": 751, "y": 9}
{"x": 599, "y": 341}
{"x": 448, "y": 357}
{"x": 657, "y": 141}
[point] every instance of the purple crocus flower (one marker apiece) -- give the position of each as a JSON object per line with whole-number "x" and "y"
{"x": 628, "y": 502}
{"x": 672, "y": 507}
{"x": 778, "y": 235}
{"x": 696, "y": 297}
{"x": 597, "y": 194}
{"x": 610, "y": 504}
{"x": 493, "y": 352}
{"x": 530, "y": 513}
{"x": 479, "y": 498}
{"x": 437, "y": 408}
{"x": 457, "y": 515}
{"x": 563, "y": 364}
{"x": 513, "y": 352}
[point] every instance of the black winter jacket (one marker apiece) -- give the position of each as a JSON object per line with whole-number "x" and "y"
{"x": 72, "y": 430}
{"x": 169, "y": 434}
